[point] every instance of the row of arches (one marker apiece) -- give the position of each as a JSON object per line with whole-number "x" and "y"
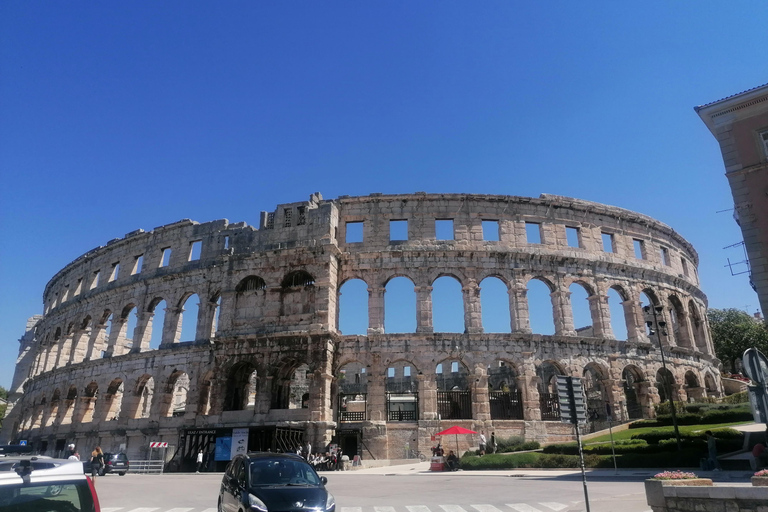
{"x": 575, "y": 307}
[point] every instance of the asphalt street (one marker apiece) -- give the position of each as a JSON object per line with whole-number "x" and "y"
{"x": 395, "y": 489}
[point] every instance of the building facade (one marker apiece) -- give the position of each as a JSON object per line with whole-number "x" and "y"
{"x": 740, "y": 125}
{"x": 269, "y": 368}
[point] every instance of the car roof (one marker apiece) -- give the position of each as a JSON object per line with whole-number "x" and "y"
{"x": 271, "y": 455}
{"x": 62, "y": 470}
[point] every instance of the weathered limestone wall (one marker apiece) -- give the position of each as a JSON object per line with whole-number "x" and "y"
{"x": 268, "y": 308}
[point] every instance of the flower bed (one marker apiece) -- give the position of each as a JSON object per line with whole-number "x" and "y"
{"x": 760, "y": 479}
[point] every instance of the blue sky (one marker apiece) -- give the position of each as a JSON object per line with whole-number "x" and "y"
{"x": 119, "y": 116}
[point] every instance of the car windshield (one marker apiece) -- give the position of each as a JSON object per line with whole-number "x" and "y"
{"x": 282, "y": 472}
{"x": 63, "y": 497}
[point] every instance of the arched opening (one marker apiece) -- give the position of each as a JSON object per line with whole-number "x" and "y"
{"x": 494, "y": 304}
{"x": 693, "y": 388}
{"x": 289, "y": 386}
{"x": 188, "y": 317}
{"x": 250, "y": 299}
{"x": 156, "y": 322}
{"x": 648, "y": 299}
{"x": 679, "y": 330}
{"x": 129, "y": 319}
{"x": 711, "y": 385}
{"x": 454, "y": 398}
{"x": 666, "y": 385}
{"x": 113, "y": 401}
{"x": 53, "y": 409}
{"x": 176, "y": 394}
{"x": 297, "y": 278}
{"x": 505, "y": 398}
{"x": 616, "y": 297}
{"x": 549, "y": 405}
{"x": 145, "y": 390}
{"x": 595, "y": 392}
{"x": 107, "y": 324}
{"x": 402, "y": 392}
{"x": 400, "y": 306}
{"x": 353, "y": 307}
{"x": 88, "y": 402}
{"x": 540, "y": 311}
{"x": 241, "y": 387}
{"x": 447, "y": 305}
{"x": 632, "y": 379}
{"x": 699, "y": 337}
{"x": 204, "y": 401}
{"x": 80, "y": 341}
{"x": 582, "y": 315}
{"x": 352, "y": 384}
{"x": 216, "y": 301}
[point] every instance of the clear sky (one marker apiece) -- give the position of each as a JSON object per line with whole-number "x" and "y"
{"x": 116, "y": 116}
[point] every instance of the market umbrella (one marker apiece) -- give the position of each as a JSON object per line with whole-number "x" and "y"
{"x": 456, "y": 430}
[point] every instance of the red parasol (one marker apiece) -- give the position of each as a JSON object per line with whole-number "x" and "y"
{"x": 456, "y": 430}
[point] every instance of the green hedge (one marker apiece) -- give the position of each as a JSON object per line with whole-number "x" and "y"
{"x": 655, "y": 436}
{"x": 707, "y": 414}
{"x": 688, "y": 458}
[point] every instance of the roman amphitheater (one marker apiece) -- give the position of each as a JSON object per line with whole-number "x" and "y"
{"x": 268, "y": 366}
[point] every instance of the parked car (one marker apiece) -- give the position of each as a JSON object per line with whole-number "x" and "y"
{"x": 42, "y": 483}
{"x": 113, "y": 463}
{"x": 260, "y": 482}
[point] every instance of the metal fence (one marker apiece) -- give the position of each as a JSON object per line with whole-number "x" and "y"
{"x": 506, "y": 405}
{"x": 550, "y": 406}
{"x": 454, "y": 405}
{"x": 149, "y": 467}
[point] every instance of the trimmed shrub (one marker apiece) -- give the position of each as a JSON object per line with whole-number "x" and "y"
{"x": 737, "y": 398}
{"x": 727, "y": 416}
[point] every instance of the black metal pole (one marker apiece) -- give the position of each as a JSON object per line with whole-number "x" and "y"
{"x": 667, "y": 384}
{"x": 583, "y": 470}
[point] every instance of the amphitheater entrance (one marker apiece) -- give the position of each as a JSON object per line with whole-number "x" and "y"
{"x": 352, "y": 403}
{"x": 350, "y": 441}
{"x": 632, "y": 380}
{"x": 454, "y": 399}
{"x": 505, "y": 399}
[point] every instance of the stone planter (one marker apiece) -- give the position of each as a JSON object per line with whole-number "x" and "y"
{"x": 760, "y": 481}
{"x": 654, "y": 489}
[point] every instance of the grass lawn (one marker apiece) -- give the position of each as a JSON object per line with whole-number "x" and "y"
{"x": 628, "y": 433}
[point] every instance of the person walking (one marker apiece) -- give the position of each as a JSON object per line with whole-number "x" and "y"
{"x": 199, "y": 460}
{"x": 483, "y": 443}
{"x": 97, "y": 462}
{"x": 712, "y": 462}
{"x": 493, "y": 446}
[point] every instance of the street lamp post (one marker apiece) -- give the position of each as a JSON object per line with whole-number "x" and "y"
{"x": 658, "y": 327}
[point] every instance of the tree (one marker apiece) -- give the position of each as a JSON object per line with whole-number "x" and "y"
{"x": 3, "y": 393}
{"x": 734, "y": 331}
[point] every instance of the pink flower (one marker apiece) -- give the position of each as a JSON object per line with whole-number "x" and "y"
{"x": 674, "y": 475}
{"x": 763, "y": 472}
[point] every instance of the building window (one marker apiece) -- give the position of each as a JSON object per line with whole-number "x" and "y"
{"x": 398, "y": 230}
{"x": 444, "y": 229}
{"x": 194, "y": 250}
{"x": 608, "y": 242}
{"x": 639, "y": 246}
{"x": 764, "y": 141}
{"x": 287, "y": 217}
{"x": 573, "y": 236}
{"x": 115, "y": 272}
{"x": 684, "y": 263}
{"x": 138, "y": 261}
{"x": 664, "y": 253}
{"x": 354, "y": 232}
{"x": 270, "y": 220}
{"x": 96, "y": 279}
{"x": 533, "y": 232}
{"x": 165, "y": 259}
{"x": 491, "y": 231}
{"x": 302, "y": 215}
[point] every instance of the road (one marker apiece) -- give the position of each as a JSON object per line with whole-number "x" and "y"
{"x": 400, "y": 491}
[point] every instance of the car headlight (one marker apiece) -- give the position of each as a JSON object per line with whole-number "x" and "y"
{"x": 330, "y": 502}
{"x": 256, "y": 504}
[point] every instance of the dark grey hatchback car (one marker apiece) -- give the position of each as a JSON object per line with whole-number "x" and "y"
{"x": 273, "y": 482}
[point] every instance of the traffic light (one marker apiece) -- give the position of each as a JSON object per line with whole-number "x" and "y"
{"x": 573, "y": 406}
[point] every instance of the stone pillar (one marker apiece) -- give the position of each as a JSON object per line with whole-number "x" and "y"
{"x": 518, "y": 308}
{"x": 204, "y": 326}
{"x": 481, "y": 405}
{"x": 427, "y": 396}
{"x": 634, "y": 319}
{"x": 79, "y": 346}
{"x": 143, "y": 333}
{"x": 376, "y": 399}
{"x": 320, "y": 397}
{"x": 563, "y": 314}
{"x": 685, "y": 329}
{"x": 97, "y": 343}
{"x": 424, "y": 309}
{"x": 172, "y": 326}
{"x": 473, "y": 316}
{"x": 376, "y": 309}
{"x": 601, "y": 319}
{"x": 227, "y": 315}
{"x": 527, "y": 383}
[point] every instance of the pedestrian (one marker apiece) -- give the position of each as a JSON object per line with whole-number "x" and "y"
{"x": 97, "y": 462}
{"x": 71, "y": 450}
{"x": 199, "y": 460}
{"x": 494, "y": 446}
{"x": 306, "y": 451}
{"x": 483, "y": 443}
{"x": 74, "y": 456}
{"x": 712, "y": 461}
{"x": 452, "y": 461}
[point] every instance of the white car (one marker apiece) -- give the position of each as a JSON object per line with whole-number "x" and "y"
{"x": 32, "y": 483}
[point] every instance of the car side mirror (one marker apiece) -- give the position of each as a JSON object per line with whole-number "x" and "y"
{"x": 324, "y": 480}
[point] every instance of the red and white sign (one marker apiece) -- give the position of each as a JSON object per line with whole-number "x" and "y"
{"x": 158, "y": 445}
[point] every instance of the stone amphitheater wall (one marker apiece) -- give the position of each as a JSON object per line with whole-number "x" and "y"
{"x": 267, "y": 325}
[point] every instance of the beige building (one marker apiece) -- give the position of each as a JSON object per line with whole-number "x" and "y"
{"x": 740, "y": 125}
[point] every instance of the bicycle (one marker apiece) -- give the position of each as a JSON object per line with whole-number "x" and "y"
{"x": 415, "y": 454}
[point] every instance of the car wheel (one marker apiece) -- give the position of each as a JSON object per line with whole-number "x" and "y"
{"x": 122, "y": 473}
{"x": 53, "y": 490}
